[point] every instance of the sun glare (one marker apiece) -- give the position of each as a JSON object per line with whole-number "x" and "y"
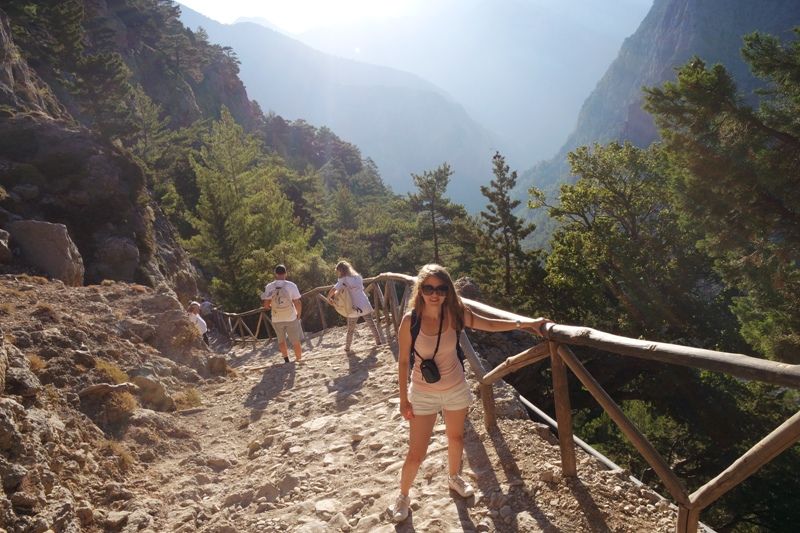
{"x": 301, "y": 15}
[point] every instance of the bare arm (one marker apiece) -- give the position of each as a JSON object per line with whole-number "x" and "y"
{"x": 267, "y": 303}
{"x": 476, "y": 321}
{"x": 403, "y": 353}
{"x": 298, "y": 305}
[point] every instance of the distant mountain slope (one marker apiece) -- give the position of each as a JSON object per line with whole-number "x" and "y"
{"x": 402, "y": 122}
{"x": 520, "y": 67}
{"x": 672, "y": 32}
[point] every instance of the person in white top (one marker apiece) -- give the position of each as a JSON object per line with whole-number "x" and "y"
{"x": 282, "y": 297}
{"x": 194, "y": 316}
{"x": 351, "y": 281}
{"x": 440, "y": 315}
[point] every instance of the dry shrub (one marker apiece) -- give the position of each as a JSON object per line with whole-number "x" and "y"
{"x": 37, "y": 363}
{"x": 187, "y": 398}
{"x": 118, "y": 408}
{"x": 143, "y": 435}
{"x": 5, "y": 309}
{"x": 45, "y": 312}
{"x": 112, "y": 371}
{"x": 125, "y": 459}
{"x": 107, "y": 282}
{"x": 139, "y": 289}
{"x": 185, "y": 335}
{"x": 38, "y": 280}
{"x": 8, "y": 291}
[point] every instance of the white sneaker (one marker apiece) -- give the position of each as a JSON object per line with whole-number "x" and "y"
{"x": 400, "y": 510}
{"x": 460, "y": 485}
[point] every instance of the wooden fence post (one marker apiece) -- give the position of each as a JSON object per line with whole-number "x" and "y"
{"x": 563, "y": 412}
{"x": 321, "y": 312}
{"x": 688, "y": 520}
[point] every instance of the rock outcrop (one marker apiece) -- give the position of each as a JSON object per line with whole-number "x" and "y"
{"x": 49, "y": 248}
{"x": 20, "y": 86}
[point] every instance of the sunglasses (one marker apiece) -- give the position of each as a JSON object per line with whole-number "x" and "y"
{"x": 441, "y": 290}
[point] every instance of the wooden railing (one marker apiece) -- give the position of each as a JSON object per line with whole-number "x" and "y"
{"x": 558, "y": 339}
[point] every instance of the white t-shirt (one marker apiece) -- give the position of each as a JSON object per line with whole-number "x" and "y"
{"x": 355, "y": 285}
{"x": 285, "y": 288}
{"x": 198, "y": 322}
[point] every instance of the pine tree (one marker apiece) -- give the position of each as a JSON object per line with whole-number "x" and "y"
{"x": 502, "y": 225}
{"x": 241, "y": 214}
{"x": 438, "y": 210}
{"x": 151, "y": 135}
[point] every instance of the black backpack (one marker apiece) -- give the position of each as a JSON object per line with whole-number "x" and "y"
{"x": 415, "y": 327}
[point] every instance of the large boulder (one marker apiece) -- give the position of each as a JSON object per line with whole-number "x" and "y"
{"x": 49, "y": 247}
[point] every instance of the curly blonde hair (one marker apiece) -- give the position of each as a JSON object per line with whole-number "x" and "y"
{"x": 346, "y": 269}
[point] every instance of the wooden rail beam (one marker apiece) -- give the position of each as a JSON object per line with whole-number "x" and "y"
{"x": 783, "y": 437}
{"x": 530, "y": 356}
{"x": 734, "y": 364}
{"x": 672, "y": 483}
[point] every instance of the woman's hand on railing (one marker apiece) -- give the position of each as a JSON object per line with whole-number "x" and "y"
{"x": 535, "y": 325}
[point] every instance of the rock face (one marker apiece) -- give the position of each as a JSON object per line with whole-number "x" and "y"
{"x": 672, "y": 32}
{"x": 20, "y": 87}
{"x": 54, "y": 170}
{"x": 48, "y": 247}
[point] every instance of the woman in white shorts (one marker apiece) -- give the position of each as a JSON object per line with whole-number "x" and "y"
{"x": 441, "y": 314}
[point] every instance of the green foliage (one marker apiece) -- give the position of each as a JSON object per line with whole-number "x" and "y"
{"x": 151, "y": 136}
{"x": 621, "y": 260}
{"x": 241, "y": 214}
{"x": 505, "y": 231}
{"x": 437, "y": 214}
{"x": 105, "y": 93}
{"x": 739, "y": 183}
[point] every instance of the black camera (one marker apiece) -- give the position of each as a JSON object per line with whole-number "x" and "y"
{"x": 429, "y": 371}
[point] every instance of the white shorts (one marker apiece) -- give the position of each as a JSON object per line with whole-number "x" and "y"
{"x": 429, "y": 403}
{"x": 288, "y": 329}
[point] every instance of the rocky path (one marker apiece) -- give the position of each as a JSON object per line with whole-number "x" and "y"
{"x": 318, "y": 446}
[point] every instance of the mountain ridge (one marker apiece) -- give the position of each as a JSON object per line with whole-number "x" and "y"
{"x": 404, "y": 123}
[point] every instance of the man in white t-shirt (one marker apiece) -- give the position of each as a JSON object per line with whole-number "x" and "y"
{"x": 193, "y": 313}
{"x": 282, "y": 297}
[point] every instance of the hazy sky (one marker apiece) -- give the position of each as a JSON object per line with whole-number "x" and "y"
{"x": 296, "y": 16}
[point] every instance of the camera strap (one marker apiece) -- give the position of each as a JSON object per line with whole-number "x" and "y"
{"x": 438, "y": 336}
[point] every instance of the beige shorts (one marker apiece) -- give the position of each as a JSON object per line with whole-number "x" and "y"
{"x": 429, "y": 403}
{"x": 288, "y": 329}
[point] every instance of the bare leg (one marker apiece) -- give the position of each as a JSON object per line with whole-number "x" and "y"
{"x": 351, "y": 327}
{"x": 373, "y": 328}
{"x": 454, "y": 428}
{"x": 421, "y": 429}
{"x": 284, "y": 349}
{"x": 297, "y": 351}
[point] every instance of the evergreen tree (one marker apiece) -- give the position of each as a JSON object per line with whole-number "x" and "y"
{"x": 502, "y": 226}
{"x": 739, "y": 182}
{"x": 105, "y": 93}
{"x": 437, "y": 210}
{"x": 151, "y": 135}
{"x": 241, "y": 215}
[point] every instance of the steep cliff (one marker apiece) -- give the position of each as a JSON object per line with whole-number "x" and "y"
{"x": 672, "y": 32}
{"x": 61, "y": 159}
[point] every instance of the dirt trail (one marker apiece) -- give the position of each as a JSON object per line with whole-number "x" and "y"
{"x": 318, "y": 446}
